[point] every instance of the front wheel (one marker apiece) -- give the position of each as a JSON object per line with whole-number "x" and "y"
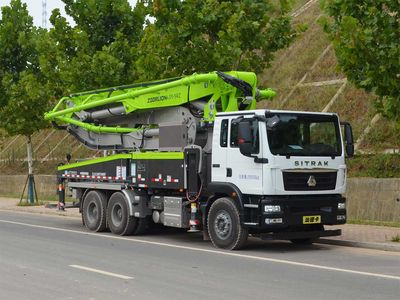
{"x": 224, "y": 225}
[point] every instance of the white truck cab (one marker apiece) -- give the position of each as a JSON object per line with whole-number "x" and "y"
{"x": 288, "y": 167}
{"x": 299, "y": 145}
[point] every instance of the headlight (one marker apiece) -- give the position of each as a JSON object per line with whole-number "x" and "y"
{"x": 341, "y": 217}
{"x": 341, "y": 205}
{"x": 274, "y": 221}
{"x": 272, "y": 208}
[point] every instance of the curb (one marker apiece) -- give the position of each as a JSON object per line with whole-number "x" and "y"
{"x": 375, "y": 246}
{"x": 43, "y": 211}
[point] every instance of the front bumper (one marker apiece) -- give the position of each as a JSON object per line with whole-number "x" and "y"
{"x": 305, "y": 213}
{"x": 288, "y": 235}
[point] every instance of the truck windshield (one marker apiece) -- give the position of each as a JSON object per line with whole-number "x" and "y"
{"x": 303, "y": 134}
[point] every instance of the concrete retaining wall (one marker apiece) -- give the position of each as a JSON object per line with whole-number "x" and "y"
{"x": 12, "y": 185}
{"x": 367, "y": 198}
{"x": 373, "y": 199}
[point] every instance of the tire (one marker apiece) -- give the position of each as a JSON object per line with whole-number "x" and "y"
{"x": 142, "y": 226}
{"x": 119, "y": 220}
{"x": 94, "y": 211}
{"x": 224, "y": 225}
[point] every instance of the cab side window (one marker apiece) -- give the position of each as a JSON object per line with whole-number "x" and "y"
{"x": 224, "y": 133}
{"x": 234, "y": 135}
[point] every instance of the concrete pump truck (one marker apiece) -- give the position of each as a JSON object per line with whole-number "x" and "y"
{"x": 194, "y": 152}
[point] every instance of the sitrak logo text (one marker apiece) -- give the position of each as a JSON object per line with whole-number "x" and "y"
{"x": 310, "y": 163}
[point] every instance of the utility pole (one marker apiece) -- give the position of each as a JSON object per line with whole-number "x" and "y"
{"x": 44, "y": 14}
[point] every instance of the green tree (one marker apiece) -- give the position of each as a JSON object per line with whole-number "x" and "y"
{"x": 23, "y": 94}
{"x": 203, "y": 35}
{"x": 99, "y": 49}
{"x": 366, "y": 37}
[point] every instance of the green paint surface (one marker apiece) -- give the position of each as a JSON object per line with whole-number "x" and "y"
{"x": 154, "y": 95}
{"x": 133, "y": 155}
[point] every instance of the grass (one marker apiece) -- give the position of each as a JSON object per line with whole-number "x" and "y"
{"x": 375, "y": 223}
{"x": 385, "y": 135}
{"x": 326, "y": 69}
{"x": 311, "y": 98}
{"x": 26, "y": 203}
{"x": 374, "y": 165}
{"x": 292, "y": 63}
{"x": 355, "y": 106}
{"x": 286, "y": 73}
{"x": 396, "y": 239}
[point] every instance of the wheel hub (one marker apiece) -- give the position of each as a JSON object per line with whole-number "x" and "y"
{"x": 116, "y": 215}
{"x": 92, "y": 212}
{"x": 223, "y": 225}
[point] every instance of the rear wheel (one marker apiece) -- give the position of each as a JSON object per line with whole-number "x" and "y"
{"x": 94, "y": 211}
{"x": 142, "y": 225}
{"x": 119, "y": 220}
{"x": 224, "y": 225}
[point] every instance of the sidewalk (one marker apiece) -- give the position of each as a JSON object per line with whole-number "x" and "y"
{"x": 365, "y": 236}
{"x": 362, "y": 236}
{"x": 11, "y": 204}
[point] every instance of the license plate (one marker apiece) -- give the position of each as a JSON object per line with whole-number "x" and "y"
{"x": 311, "y": 219}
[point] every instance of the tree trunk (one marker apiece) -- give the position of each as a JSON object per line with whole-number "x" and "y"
{"x": 31, "y": 180}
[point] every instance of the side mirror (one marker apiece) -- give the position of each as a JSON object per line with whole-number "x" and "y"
{"x": 245, "y": 138}
{"x": 348, "y": 136}
{"x": 273, "y": 122}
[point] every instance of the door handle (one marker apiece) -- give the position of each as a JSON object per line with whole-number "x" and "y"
{"x": 228, "y": 172}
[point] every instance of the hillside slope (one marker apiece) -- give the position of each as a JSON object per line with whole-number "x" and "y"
{"x": 305, "y": 76}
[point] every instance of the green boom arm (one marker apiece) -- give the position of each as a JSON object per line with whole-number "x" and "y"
{"x": 229, "y": 91}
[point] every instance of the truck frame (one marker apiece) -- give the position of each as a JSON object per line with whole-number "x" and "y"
{"x": 195, "y": 153}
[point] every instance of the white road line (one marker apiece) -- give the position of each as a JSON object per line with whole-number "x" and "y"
{"x": 219, "y": 252}
{"x": 100, "y": 272}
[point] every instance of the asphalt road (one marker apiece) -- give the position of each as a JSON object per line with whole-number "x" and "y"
{"x": 48, "y": 257}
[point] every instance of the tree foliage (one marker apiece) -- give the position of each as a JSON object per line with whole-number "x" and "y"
{"x": 111, "y": 43}
{"x": 23, "y": 100}
{"x": 99, "y": 49}
{"x": 366, "y": 37}
{"x": 203, "y": 35}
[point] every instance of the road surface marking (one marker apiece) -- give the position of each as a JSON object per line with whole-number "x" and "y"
{"x": 100, "y": 272}
{"x": 219, "y": 252}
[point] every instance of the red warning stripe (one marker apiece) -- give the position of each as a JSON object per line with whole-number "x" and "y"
{"x": 157, "y": 180}
{"x": 92, "y": 177}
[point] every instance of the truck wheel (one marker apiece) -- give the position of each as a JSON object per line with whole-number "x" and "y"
{"x": 224, "y": 225}
{"x": 119, "y": 220}
{"x": 142, "y": 225}
{"x": 94, "y": 211}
